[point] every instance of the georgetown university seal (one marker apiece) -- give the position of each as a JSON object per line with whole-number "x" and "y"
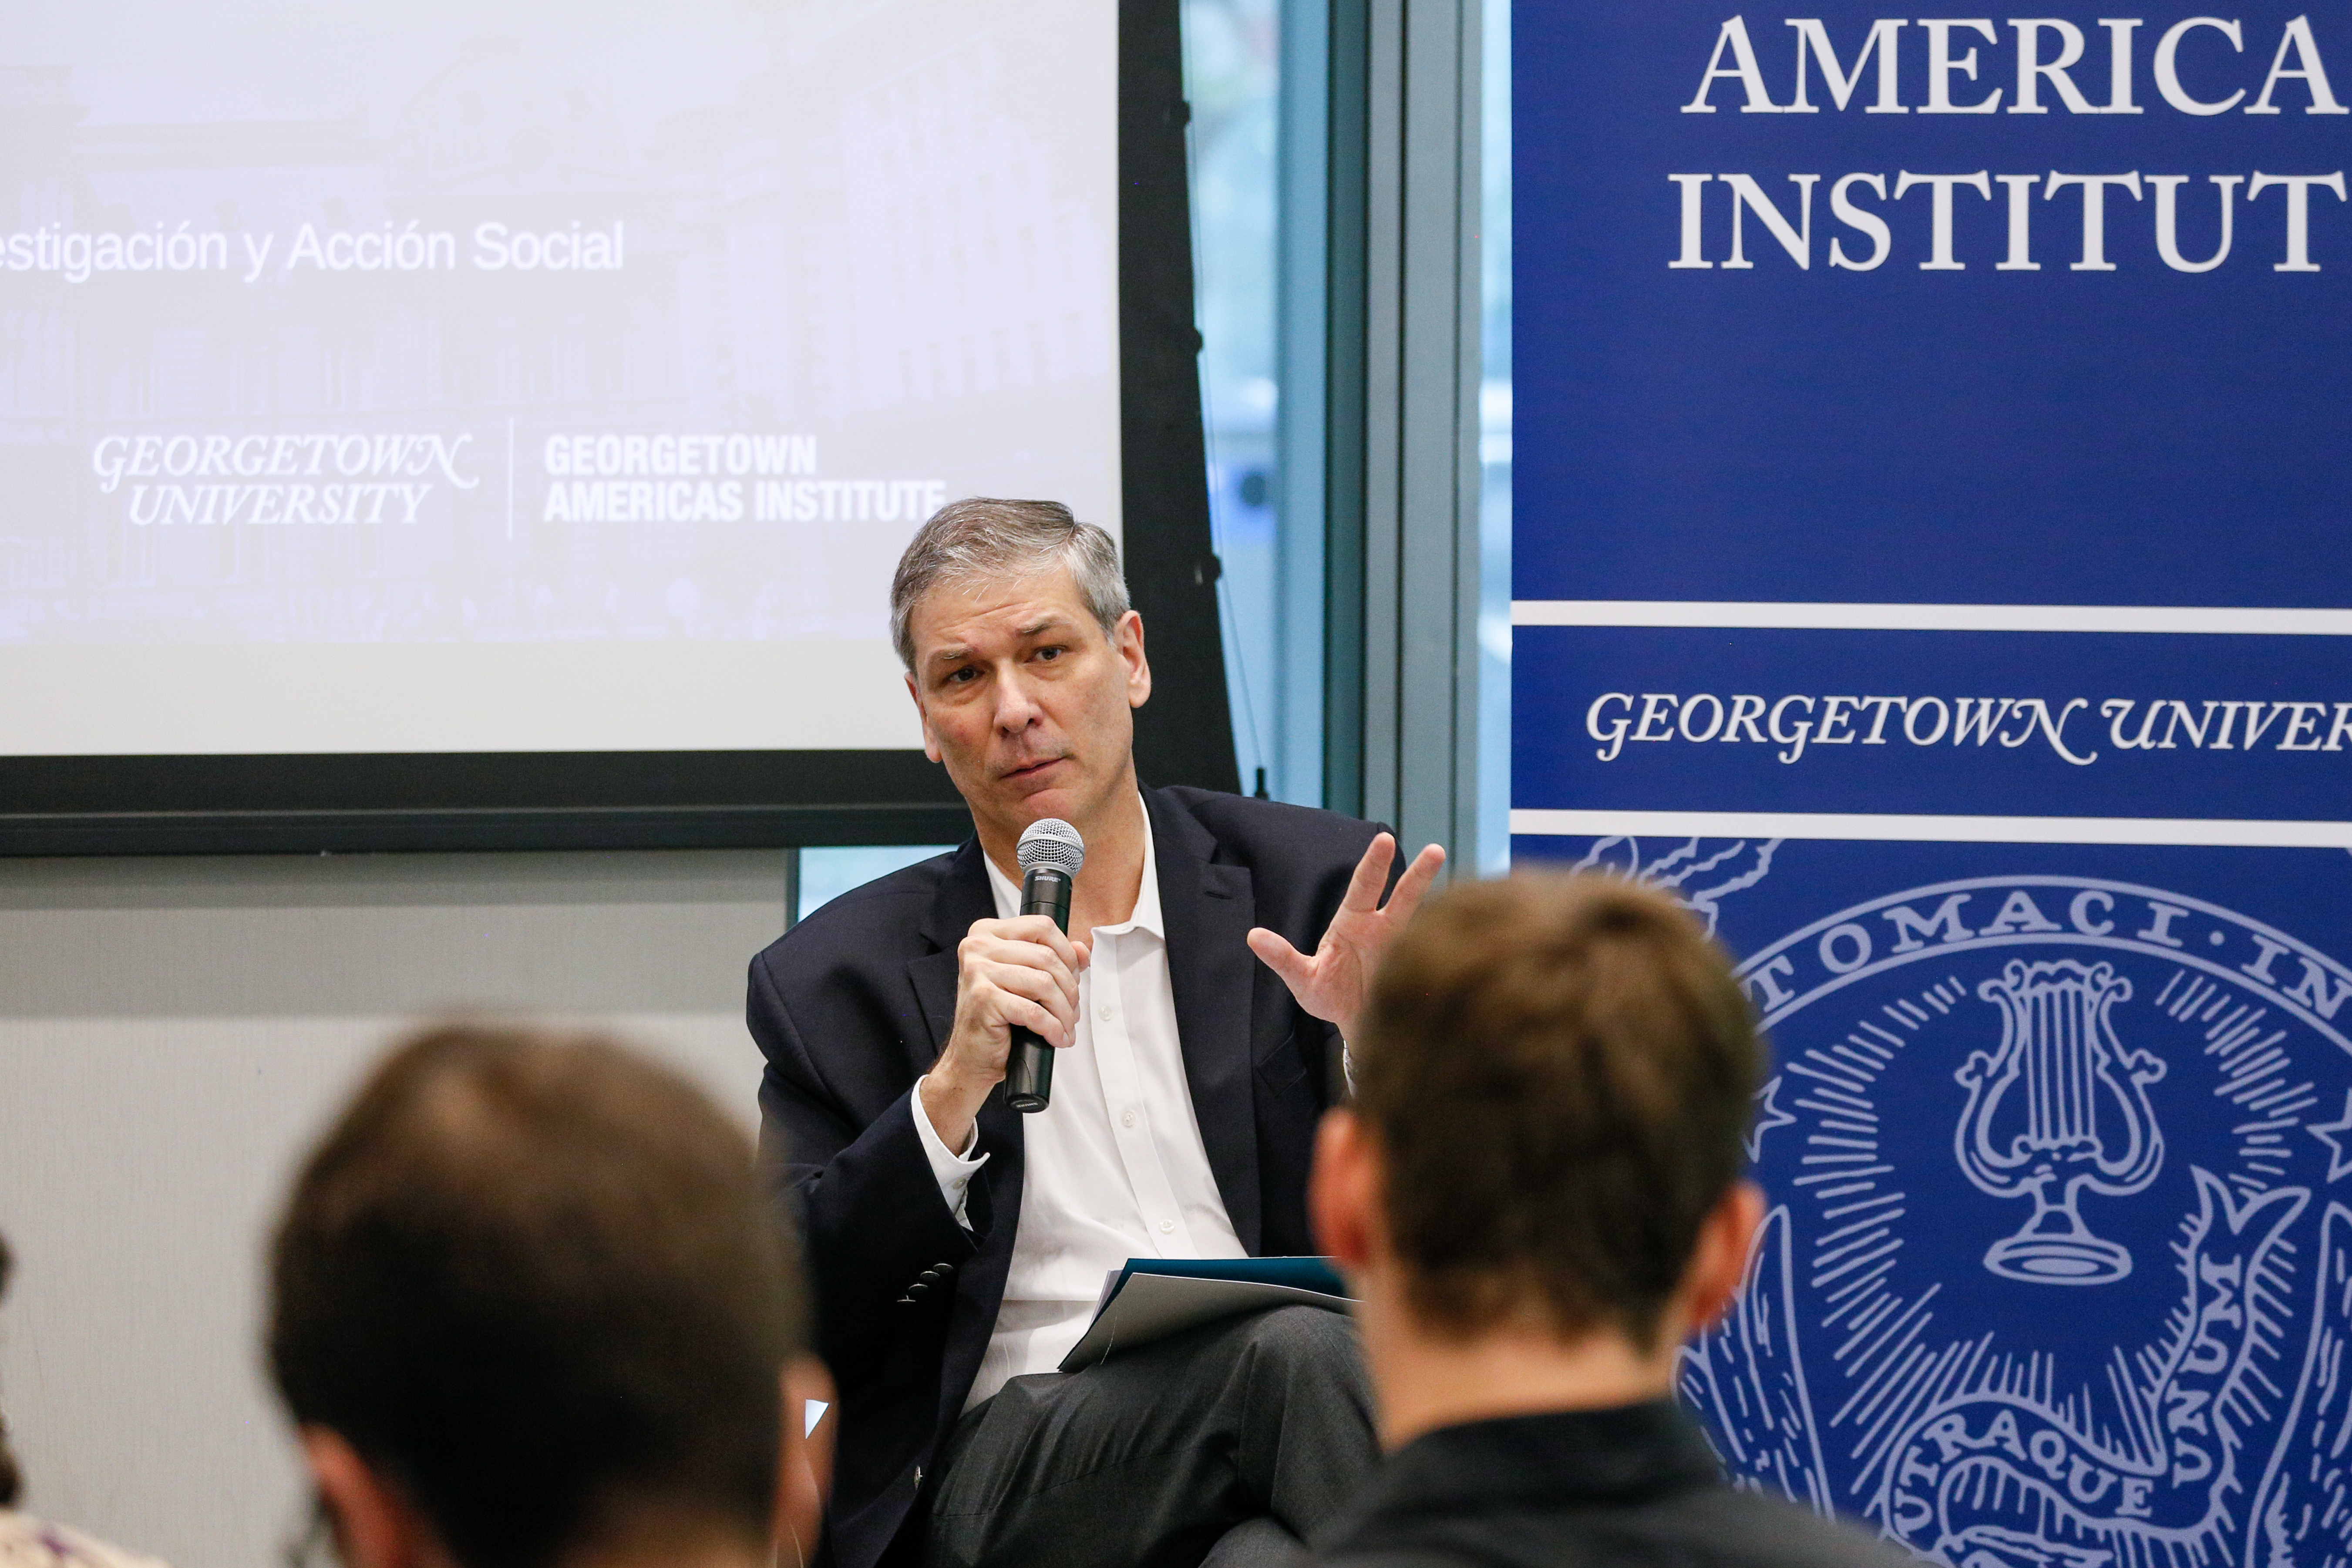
{"x": 2058, "y": 1266}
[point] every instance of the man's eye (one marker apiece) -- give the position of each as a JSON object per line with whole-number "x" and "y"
{"x": 963, "y": 677}
{"x": 1050, "y": 653}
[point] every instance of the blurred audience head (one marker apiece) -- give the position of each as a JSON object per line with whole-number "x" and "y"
{"x": 529, "y": 1308}
{"x": 12, "y": 1480}
{"x": 1553, "y": 1081}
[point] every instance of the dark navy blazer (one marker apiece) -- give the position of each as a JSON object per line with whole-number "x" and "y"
{"x": 854, "y": 1004}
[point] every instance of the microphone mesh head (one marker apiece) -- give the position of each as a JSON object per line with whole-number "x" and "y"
{"x": 1050, "y": 844}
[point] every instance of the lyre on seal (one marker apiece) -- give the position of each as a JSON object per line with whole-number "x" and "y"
{"x": 2059, "y": 1109}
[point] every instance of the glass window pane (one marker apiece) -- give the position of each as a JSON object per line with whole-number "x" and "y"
{"x": 1495, "y": 456}
{"x": 827, "y": 873}
{"x": 1232, "y": 80}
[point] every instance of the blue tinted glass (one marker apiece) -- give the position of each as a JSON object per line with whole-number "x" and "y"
{"x": 827, "y": 873}
{"x": 1495, "y": 457}
{"x": 1232, "y": 80}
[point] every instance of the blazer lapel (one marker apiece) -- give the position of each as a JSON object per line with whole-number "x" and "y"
{"x": 1208, "y": 910}
{"x": 963, "y": 897}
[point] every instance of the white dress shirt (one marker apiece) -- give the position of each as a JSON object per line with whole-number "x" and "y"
{"x": 1116, "y": 1168}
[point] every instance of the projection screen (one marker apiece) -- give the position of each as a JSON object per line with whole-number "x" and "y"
{"x": 525, "y": 376}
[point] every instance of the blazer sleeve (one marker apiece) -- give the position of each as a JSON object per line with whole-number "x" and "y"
{"x": 870, "y": 1213}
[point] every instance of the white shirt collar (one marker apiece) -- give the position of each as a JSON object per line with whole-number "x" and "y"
{"x": 1146, "y": 916}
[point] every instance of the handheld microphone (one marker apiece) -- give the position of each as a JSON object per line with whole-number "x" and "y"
{"x": 1050, "y": 854}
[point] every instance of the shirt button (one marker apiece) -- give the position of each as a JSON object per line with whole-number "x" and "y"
{"x": 1167, "y": 1225}
{"x": 1104, "y": 1012}
{"x": 1126, "y": 1119}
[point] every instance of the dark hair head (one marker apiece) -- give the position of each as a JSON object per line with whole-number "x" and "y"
{"x": 1557, "y": 1071}
{"x": 531, "y": 1280}
{"x": 12, "y": 1480}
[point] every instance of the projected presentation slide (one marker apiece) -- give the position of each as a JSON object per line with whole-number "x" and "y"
{"x": 497, "y": 375}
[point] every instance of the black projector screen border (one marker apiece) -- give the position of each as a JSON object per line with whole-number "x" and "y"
{"x": 349, "y": 804}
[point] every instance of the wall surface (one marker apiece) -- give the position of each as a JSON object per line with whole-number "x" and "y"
{"x": 173, "y": 1033}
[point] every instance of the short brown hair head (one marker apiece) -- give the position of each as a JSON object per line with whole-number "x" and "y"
{"x": 1557, "y": 1071}
{"x": 981, "y": 537}
{"x": 531, "y": 1280}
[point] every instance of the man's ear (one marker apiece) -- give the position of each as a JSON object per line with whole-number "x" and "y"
{"x": 931, "y": 746}
{"x": 807, "y": 1460}
{"x": 1719, "y": 1263}
{"x": 374, "y": 1525}
{"x": 1343, "y": 1193}
{"x": 1129, "y": 644}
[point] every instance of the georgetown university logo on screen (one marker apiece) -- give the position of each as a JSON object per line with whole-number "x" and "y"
{"x": 2059, "y": 1272}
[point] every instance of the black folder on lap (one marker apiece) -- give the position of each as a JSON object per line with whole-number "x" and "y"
{"x": 1152, "y": 1298}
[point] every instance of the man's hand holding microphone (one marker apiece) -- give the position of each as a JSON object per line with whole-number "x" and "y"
{"x": 1016, "y": 992}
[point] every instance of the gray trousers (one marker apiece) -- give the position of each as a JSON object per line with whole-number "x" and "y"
{"x": 1223, "y": 1447}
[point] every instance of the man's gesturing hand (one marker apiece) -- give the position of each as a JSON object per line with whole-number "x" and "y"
{"x": 1334, "y": 983}
{"x": 1021, "y": 972}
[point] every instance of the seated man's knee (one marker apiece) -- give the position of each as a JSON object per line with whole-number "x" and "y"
{"x": 1304, "y": 1336}
{"x": 1258, "y": 1544}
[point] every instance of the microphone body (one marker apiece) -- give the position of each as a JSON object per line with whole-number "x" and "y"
{"x": 1051, "y": 853}
{"x": 1029, "y": 1072}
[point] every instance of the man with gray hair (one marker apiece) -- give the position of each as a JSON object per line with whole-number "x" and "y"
{"x": 959, "y": 1247}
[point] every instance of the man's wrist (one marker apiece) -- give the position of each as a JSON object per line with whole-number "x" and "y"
{"x": 934, "y": 1142}
{"x": 951, "y": 1168}
{"x": 951, "y": 1106}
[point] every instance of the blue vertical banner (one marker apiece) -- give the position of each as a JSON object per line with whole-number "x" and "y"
{"x": 1933, "y": 551}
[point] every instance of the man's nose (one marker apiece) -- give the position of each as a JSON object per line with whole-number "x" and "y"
{"x": 1016, "y": 705}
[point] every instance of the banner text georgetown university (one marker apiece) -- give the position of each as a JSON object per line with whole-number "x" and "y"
{"x": 1794, "y": 722}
